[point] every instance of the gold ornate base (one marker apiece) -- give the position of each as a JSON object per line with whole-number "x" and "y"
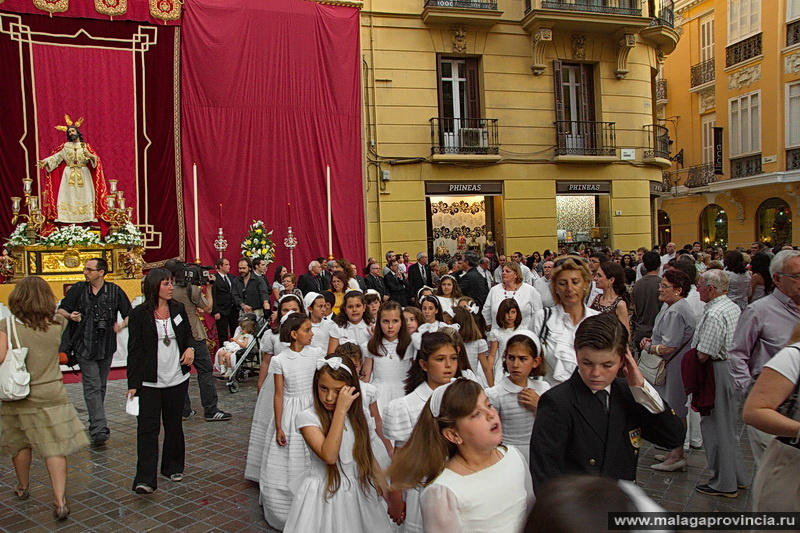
{"x": 66, "y": 264}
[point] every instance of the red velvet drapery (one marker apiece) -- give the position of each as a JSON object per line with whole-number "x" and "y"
{"x": 137, "y": 10}
{"x": 270, "y": 96}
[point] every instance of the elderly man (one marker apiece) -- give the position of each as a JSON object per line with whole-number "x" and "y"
{"x": 498, "y": 272}
{"x": 419, "y": 274}
{"x": 313, "y": 280}
{"x": 712, "y": 337}
{"x": 375, "y": 282}
{"x": 484, "y": 267}
{"x": 543, "y": 284}
{"x": 763, "y": 329}
{"x": 668, "y": 256}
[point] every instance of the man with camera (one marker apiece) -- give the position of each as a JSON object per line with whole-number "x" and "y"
{"x": 188, "y": 291}
{"x": 91, "y": 306}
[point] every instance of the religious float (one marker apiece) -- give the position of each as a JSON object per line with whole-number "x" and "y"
{"x": 74, "y": 218}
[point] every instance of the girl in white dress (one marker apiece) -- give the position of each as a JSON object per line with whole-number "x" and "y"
{"x": 412, "y": 317}
{"x": 372, "y": 299}
{"x": 516, "y": 396}
{"x": 317, "y": 307}
{"x": 475, "y": 346}
{"x": 388, "y": 354}
{"x": 469, "y": 304}
{"x": 436, "y": 364}
{"x": 448, "y": 291}
{"x": 431, "y": 309}
{"x": 352, "y": 322}
{"x": 508, "y": 320}
{"x": 270, "y": 346}
{"x": 340, "y": 490}
{"x": 471, "y": 483}
{"x": 286, "y": 455}
{"x": 381, "y": 446}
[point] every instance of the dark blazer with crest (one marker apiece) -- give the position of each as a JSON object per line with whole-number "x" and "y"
{"x": 573, "y": 435}
{"x": 143, "y": 342}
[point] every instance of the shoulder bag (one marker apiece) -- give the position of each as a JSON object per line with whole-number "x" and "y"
{"x": 654, "y": 367}
{"x": 15, "y": 381}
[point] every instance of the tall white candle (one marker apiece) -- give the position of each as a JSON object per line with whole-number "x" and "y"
{"x": 196, "y": 225}
{"x": 330, "y": 227}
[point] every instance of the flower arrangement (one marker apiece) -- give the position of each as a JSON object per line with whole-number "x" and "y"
{"x": 126, "y": 235}
{"x": 19, "y": 236}
{"x": 258, "y": 243}
{"x": 71, "y": 236}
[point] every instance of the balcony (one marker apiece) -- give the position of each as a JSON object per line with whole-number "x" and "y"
{"x": 664, "y": 15}
{"x": 469, "y": 139}
{"x": 586, "y": 141}
{"x": 661, "y": 92}
{"x": 662, "y": 27}
{"x": 744, "y": 167}
{"x": 482, "y": 14}
{"x": 658, "y": 146}
{"x": 793, "y": 159}
{"x": 793, "y": 33}
{"x": 608, "y": 16}
{"x": 700, "y": 176}
{"x": 743, "y": 50}
{"x": 703, "y": 73}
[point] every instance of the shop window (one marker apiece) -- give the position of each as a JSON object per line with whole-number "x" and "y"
{"x": 664, "y": 227}
{"x": 714, "y": 226}
{"x": 774, "y": 222}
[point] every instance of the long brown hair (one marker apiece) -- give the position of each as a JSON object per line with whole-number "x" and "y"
{"x": 468, "y": 327}
{"x": 429, "y": 344}
{"x": 425, "y": 454}
{"x": 375, "y": 344}
{"x": 341, "y": 318}
{"x": 362, "y": 450}
{"x": 33, "y": 303}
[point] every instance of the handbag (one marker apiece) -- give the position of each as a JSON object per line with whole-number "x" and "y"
{"x": 654, "y": 367}
{"x": 15, "y": 381}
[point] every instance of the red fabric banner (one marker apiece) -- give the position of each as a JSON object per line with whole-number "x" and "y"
{"x": 137, "y": 10}
{"x": 270, "y": 96}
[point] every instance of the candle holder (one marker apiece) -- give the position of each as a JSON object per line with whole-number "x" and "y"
{"x": 113, "y": 187}
{"x": 117, "y": 214}
{"x": 34, "y": 218}
{"x": 220, "y": 244}
{"x": 290, "y": 242}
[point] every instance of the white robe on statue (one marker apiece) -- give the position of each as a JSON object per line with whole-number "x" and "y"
{"x": 76, "y": 193}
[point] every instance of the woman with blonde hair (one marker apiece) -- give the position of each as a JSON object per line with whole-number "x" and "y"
{"x": 512, "y": 286}
{"x": 556, "y": 326}
{"x": 45, "y": 421}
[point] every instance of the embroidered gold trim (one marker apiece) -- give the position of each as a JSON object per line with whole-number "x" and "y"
{"x": 166, "y": 9}
{"x": 112, "y": 8}
{"x": 52, "y": 6}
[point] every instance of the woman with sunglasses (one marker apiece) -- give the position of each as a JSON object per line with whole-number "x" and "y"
{"x": 673, "y": 329}
{"x": 556, "y": 326}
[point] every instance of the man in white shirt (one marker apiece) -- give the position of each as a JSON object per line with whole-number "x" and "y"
{"x": 527, "y": 276}
{"x": 668, "y": 256}
{"x": 483, "y": 268}
{"x": 543, "y": 285}
{"x": 498, "y": 272}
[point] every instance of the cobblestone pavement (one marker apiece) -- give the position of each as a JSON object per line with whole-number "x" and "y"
{"x": 214, "y": 496}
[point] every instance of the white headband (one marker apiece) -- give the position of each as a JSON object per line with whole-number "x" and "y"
{"x": 474, "y": 309}
{"x": 372, "y": 291}
{"x": 285, "y": 317}
{"x": 436, "y": 398}
{"x": 532, "y": 336}
{"x": 309, "y": 298}
{"x": 289, "y": 295}
{"x": 334, "y": 362}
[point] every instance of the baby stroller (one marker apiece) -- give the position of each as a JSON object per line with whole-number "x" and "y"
{"x": 248, "y": 359}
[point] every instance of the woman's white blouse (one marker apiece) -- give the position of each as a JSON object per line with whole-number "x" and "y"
{"x": 559, "y": 353}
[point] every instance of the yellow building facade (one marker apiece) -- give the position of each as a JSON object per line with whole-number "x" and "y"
{"x": 731, "y": 100}
{"x": 534, "y": 120}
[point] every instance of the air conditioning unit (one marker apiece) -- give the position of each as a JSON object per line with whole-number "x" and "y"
{"x": 473, "y": 137}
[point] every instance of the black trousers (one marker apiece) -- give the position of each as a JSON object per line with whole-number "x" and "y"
{"x": 157, "y": 406}
{"x": 226, "y": 326}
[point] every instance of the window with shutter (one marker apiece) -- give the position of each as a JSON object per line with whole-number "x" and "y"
{"x": 460, "y": 122}
{"x": 576, "y": 129}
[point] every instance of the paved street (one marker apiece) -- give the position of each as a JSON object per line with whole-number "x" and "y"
{"x": 214, "y": 496}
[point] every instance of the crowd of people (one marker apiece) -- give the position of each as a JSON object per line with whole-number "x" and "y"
{"x": 457, "y": 397}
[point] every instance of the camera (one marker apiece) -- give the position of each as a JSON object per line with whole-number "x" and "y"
{"x": 192, "y": 274}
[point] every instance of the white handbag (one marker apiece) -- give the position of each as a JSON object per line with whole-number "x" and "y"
{"x": 15, "y": 381}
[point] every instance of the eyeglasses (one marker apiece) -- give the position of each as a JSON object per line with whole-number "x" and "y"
{"x": 87, "y": 269}
{"x": 663, "y": 286}
{"x": 574, "y": 259}
{"x": 793, "y": 276}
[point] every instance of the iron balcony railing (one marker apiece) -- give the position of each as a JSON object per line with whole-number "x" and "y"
{"x": 746, "y": 166}
{"x": 703, "y": 72}
{"x": 667, "y": 180}
{"x": 658, "y": 138}
{"x": 793, "y": 159}
{"x": 793, "y": 33}
{"x": 612, "y": 7}
{"x": 700, "y": 175}
{"x": 469, "y": 136}
{"x": 584, "y": 137}
{"x": 664, "y": 15}
{"x": 743, "y": 50}
{"x": 661, "y": 90}
{"x": 461, "y": 4}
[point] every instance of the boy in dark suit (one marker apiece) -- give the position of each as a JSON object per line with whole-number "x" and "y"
{"x": 594, "y": 422}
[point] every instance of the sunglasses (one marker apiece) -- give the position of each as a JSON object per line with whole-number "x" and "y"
{"x": 574, "y": 259}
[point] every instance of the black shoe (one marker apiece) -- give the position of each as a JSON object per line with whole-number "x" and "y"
{"x": 705, "y": 489}
{"x": 219, "y": 416}
{"x": 100, "y": 440}
{"x": 190, "y": 415}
